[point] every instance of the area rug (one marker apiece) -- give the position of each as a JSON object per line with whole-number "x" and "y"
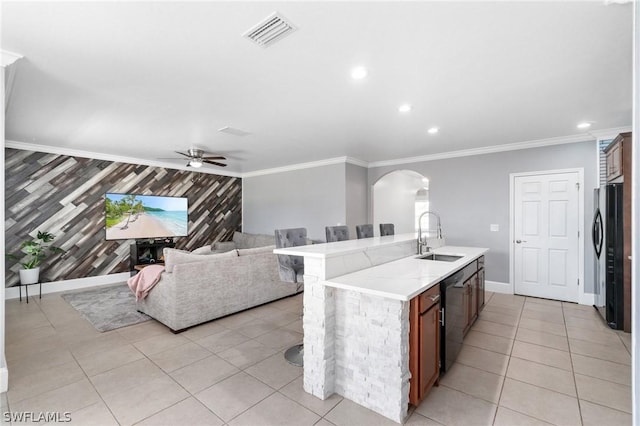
{"x": 107, "y": 308}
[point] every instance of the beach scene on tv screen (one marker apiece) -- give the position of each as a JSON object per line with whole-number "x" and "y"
{"x": 131, "y": 216}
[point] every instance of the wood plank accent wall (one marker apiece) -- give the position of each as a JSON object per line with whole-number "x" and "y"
{"x": 65, "y": 196}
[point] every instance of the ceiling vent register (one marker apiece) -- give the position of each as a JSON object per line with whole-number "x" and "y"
{"x": 274, "y": 28}
{"x": 233, "y": 131}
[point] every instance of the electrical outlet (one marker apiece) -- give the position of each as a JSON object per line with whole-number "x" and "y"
{"x": 494, "y": 227}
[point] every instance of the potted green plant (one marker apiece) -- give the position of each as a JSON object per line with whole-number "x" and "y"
{"x": 36, "y": 251}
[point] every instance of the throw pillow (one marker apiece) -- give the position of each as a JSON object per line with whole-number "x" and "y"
{"x": 202, "y": 250}
{"x": 222, "y": 246}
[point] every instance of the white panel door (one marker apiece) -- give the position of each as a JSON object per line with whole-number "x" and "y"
{"x": 546, "y": 236}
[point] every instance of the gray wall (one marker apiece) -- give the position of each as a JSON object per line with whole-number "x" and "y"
{"x": 472, "y": 192}
{"x": 357, "y": 195}
{"x": 309, "y": 198}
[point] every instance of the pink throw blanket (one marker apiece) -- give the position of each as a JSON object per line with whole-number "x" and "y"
{"x": 142, "y": 283}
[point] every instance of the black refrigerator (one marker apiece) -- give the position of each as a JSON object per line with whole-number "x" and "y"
{"x": 608, "y": 243}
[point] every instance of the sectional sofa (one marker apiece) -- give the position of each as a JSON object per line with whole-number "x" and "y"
{"x": 215, "y": 281}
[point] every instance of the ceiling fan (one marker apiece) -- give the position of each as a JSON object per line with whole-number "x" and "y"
{"x": 197, "y": 158}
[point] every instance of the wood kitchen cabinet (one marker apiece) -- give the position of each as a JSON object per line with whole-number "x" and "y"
{"x": 614, "y": 153}
{"x": 424, "y": 343}
{"x": 471, "y": 290}
{"x": 473, "y": 296}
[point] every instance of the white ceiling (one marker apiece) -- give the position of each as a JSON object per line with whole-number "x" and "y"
{"x": 144, "y": 79}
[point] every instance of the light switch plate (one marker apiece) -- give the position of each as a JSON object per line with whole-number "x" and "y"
{"x": 494, "y": 227}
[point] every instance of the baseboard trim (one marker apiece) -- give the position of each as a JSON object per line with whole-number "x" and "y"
{"x": 66, "y": 285}
{"x": 587, "y": 299}
{"x": 498, "y": 287}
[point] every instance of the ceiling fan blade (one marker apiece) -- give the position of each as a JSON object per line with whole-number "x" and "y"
{"x": 182, "y": 153}
{"x": 214, "y": 163}
{"x": 169, "y": 158}
{"x": 217, "y": 157}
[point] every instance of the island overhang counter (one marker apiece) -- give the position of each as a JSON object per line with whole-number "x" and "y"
{"x": 356, "y": 315}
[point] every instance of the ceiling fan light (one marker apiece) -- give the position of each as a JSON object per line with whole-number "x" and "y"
{"x": 195, "y": 163}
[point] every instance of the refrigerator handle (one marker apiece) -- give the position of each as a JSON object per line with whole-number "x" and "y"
{"x": 597, "y": 232}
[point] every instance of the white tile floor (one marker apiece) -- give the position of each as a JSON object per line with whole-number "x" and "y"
{"x": 526, "y": 361}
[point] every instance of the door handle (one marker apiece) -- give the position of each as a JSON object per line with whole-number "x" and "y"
{"x": 520, "y": 241}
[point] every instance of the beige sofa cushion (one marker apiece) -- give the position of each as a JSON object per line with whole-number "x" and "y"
{"x": 172, "y": 257}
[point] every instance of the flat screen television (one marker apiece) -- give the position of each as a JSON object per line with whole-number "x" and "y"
{"x": 131, "y": 216}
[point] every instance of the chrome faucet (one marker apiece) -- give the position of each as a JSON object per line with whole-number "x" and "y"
{"x": 422, "y": 240}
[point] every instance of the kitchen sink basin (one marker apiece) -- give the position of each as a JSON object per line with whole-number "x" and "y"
{"x": 440, "y": 257}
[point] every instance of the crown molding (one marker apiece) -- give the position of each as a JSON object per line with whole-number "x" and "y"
{"x": 357, "y": 162}
{"x": 609, "y": 133}
{"x": 309, "y": 165}
{"x": 108, "y": 157}
{"x": 9, "y": 58}
{"x": 502, "y": 148}
{"x": 591, "y": 135}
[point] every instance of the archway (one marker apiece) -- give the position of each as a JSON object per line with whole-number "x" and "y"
{"x": 397, "y": 197}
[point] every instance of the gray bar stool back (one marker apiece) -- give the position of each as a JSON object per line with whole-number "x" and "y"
{"x": 364, "y": 231}
{"x": 386, "y": 229}
{"x": 337, "y": 233}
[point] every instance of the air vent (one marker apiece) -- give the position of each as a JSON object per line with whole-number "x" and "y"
{"x": 275, "y": 27}
{"x": 233, "y": 131}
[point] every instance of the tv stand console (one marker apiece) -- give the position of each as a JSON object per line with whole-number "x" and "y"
{"x": 142, "y": 254}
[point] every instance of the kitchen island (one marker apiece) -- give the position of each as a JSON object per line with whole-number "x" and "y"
{"x": 356, "y": 315}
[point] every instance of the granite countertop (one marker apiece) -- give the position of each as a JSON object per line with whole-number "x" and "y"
{"x": 405, "y": 278}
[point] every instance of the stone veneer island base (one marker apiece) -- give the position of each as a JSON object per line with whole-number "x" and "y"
{"x": 356, "y": 316}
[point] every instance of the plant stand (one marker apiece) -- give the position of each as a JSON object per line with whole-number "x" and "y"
{"x": 26, "y": 290}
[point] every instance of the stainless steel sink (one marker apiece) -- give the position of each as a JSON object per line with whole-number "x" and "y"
{"x": 440, "y": 257}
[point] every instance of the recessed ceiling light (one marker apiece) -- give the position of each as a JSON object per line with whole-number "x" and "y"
{"x": 584, "y": 125}
{"x": 433, "y": 130}
{"x": 404, "y": 108}
{"x": 358, "y": 73}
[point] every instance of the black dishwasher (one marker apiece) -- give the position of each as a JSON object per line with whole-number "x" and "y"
{"x": 452, "y": 320}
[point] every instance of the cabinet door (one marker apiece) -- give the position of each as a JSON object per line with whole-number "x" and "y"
{"x": 617, "y": 159}
{"x": 609, "y": 172}
{"x": 466, "y": 303}
{"x": 614, "y": 161}
{"x": 474, "y": 299}
{"x": 429, "y": 349}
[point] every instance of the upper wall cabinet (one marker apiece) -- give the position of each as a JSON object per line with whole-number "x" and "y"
{"x": 615, "y": 154}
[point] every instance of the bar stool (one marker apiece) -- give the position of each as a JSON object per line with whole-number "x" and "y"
{"x": 291, "y": 270}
